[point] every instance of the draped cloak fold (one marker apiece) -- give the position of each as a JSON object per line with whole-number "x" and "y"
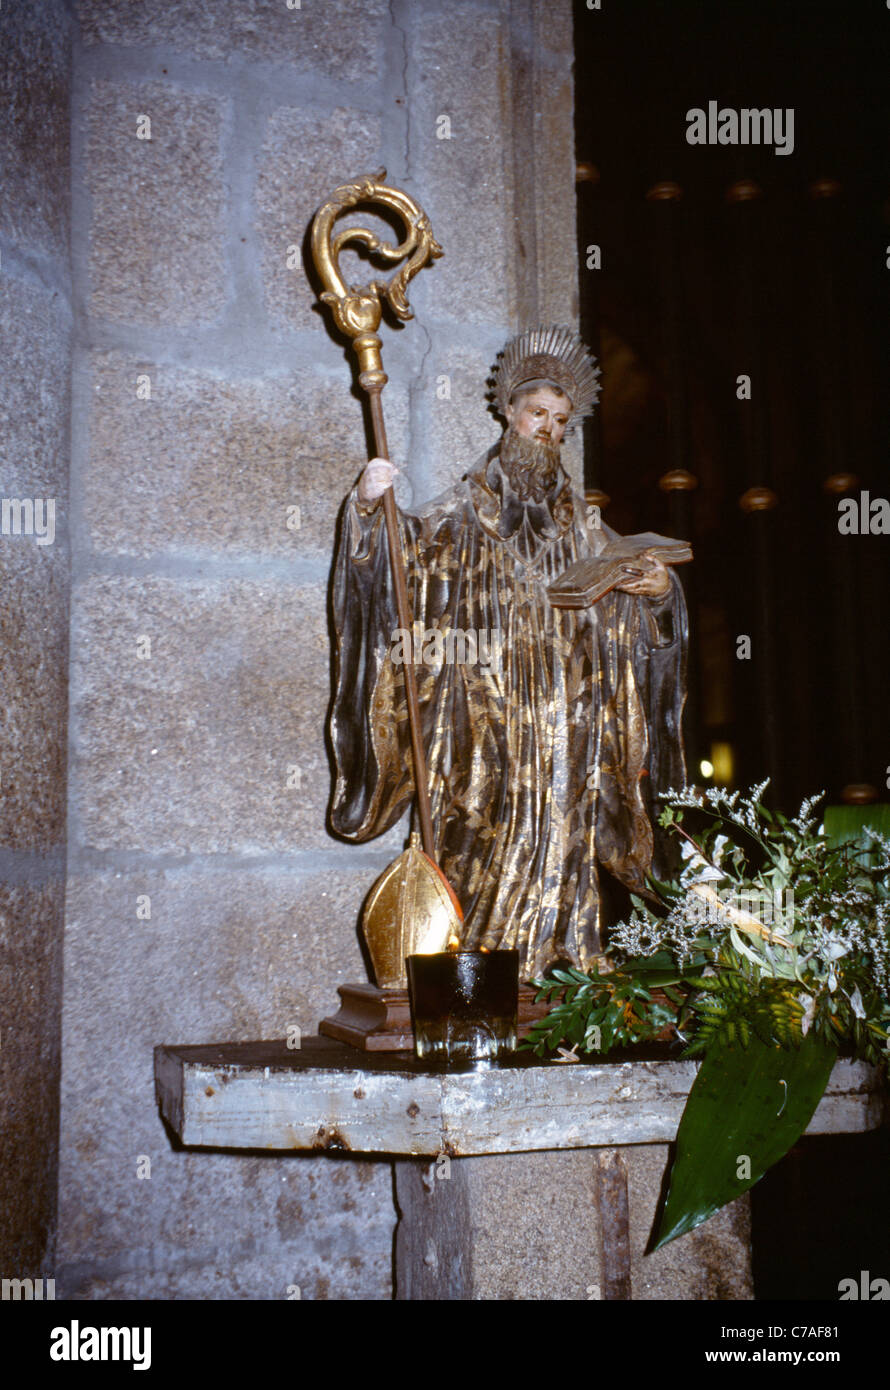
{"x": 548, "y": 731}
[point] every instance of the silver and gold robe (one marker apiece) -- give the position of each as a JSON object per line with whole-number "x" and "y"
{"x": 545, "y": 751}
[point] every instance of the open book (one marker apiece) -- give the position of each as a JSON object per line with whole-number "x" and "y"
{"x": 587, "y": 580}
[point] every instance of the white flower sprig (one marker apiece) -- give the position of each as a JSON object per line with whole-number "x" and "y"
{"x": 830, "y": 938}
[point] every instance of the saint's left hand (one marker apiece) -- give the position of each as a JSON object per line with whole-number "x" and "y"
{"x": 653, "y": 584}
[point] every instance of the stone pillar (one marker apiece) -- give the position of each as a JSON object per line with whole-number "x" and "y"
{"x": 563, "y": 1225}
{"x": 215, "y": 433}
{"x": 36, "y": 324}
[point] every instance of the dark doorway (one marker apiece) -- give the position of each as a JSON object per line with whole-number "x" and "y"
{"x": 724, "y": 262}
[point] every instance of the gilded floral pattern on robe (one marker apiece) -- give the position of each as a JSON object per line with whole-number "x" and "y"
{"x": 544, "y": 752}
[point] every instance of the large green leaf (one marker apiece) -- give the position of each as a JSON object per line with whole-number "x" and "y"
{"x": 848, "y": 822}
{"x": 740, "y": 1109}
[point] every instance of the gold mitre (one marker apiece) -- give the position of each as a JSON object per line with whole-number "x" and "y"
{"x": 411, "y": 911}
{"x": 554, "y": 355}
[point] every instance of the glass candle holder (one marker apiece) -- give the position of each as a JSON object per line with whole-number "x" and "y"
{"x": 463, "y": 1005}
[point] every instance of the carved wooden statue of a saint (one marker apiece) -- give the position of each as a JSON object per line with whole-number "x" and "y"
{"x": 548, "y": 730}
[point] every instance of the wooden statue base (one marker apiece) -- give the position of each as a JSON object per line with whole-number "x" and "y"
{"x": 379, "y": 1020}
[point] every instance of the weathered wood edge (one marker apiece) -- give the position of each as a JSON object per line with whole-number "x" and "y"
{"x": 462, "y": 1114}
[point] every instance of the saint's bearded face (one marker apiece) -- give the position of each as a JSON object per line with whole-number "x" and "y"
{"x": 536, "y": 423}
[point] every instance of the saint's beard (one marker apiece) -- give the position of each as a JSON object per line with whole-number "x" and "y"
{"x": 531, "y": 465}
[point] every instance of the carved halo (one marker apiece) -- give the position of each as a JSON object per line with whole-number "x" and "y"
{"x": 554, "y": 353}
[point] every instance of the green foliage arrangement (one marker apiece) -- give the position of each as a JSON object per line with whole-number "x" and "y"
{"x": 768, "y": 950}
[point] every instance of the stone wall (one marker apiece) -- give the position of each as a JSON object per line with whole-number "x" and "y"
{"x": 36, "y": 327}
{"x": 206, "y": 899}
